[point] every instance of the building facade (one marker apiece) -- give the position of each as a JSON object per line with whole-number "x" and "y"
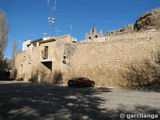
{"x": 101, "y": 61}
{"x": 94, "y": 36}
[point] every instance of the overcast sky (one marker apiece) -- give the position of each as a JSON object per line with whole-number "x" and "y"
{"x": 28, "y": 19}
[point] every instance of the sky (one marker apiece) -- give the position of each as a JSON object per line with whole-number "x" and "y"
{"x": 28, "y": 19}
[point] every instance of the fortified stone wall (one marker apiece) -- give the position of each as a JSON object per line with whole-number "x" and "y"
{"x": 100, "y": 58}
{"x": 99, "y": 61}
{"x": 103, "y": 62}
{"x": 133, "y": 35}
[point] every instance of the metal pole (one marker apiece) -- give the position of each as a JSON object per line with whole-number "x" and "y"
{"x": 51, "y": 19}
{"x": 50, "y": 32}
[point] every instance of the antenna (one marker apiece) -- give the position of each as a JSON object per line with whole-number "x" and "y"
{"x": 55, "y": 5}
{"x": 51, "y": 18}
{"x": 57, "y": 31}
{"x": 70, "y": 28}
{"x": 44, "y": 33}
{"x": 48, "y": 3}
{"x": 31, "y": 34}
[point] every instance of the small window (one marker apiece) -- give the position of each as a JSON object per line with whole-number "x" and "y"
{"x": 64, "y": 56}
{"x": 21, "y": 67}
{"x": 29, "y": 59}
{"x": 45, "y": 52}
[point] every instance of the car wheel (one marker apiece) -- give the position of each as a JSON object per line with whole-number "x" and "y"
{"x": 92, "y": 84}
{"x": 70, "y": 84}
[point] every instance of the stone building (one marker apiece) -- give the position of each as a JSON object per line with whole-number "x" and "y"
{"x": 98, "y": 61}
{"x": 99, "y": 58}
{"x": 93, "y": 34}
{"x": 42, "y": 54}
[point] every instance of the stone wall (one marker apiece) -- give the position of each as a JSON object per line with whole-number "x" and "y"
{"x": 103, "y": 62}
{"x": 30, "y": 61}
{"x": 99, "y": 61}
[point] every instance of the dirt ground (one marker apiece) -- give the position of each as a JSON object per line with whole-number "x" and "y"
{"x": 28, "y": 101}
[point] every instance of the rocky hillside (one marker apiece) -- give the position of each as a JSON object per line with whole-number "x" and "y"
{"x": 125, "y": 29}
{"x": 146, "y": 21}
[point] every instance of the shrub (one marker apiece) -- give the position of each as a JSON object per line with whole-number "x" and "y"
{"x": 4, "y": 70}
{"x": 57, "y": 77}
{"x": 144, "y": 75}
{"x": 20, "y": 79}
{"x": 33, "y": 79}
{"x": 37, "y": 77}
{"x": 41, "y": 77}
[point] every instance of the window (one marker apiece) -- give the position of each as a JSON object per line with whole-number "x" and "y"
{"x": 45, "y": 52}
{"x": 29, "y": 59}
{"x": 21, "y": 67}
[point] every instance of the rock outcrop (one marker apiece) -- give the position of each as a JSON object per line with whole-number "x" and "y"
{"x": 125, "y": 29}
{"x": 146, "y": 21}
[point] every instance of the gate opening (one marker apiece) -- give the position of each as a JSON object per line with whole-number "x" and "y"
{"x": 48, "y": 64}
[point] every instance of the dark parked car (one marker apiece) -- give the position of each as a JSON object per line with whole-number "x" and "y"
{"x": 81, "y": 82}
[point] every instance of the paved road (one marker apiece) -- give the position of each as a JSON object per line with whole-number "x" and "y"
{"x": 28, "y": 101}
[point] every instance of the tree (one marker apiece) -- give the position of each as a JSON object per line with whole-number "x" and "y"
{"x": 3, "y": 32}
{"x": 14, "y": 51}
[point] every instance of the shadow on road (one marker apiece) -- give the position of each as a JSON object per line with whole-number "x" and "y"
{"x": 47, "y": 102}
